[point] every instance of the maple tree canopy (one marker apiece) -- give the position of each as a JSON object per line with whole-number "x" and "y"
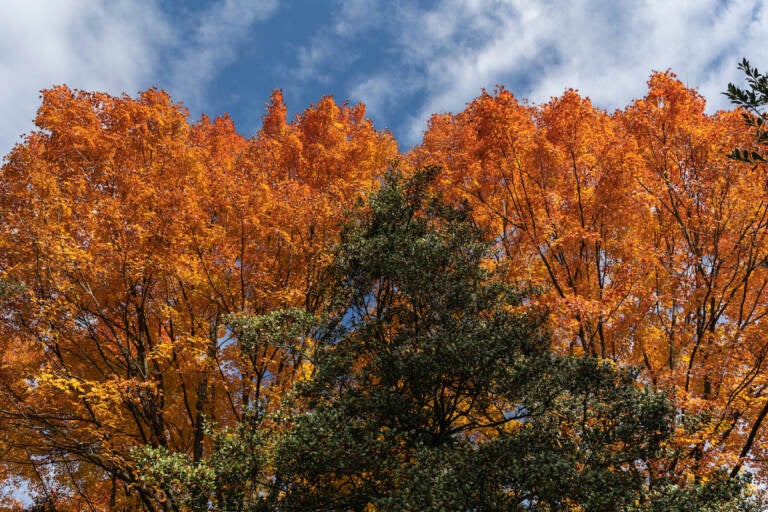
{"x": 185, "y": 309}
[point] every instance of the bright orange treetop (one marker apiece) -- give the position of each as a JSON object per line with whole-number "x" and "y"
{"x": 128, "y": 235}
{"x": 648, "y": 243}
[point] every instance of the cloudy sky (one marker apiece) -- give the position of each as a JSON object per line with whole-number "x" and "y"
{"x": 405, "y": 59}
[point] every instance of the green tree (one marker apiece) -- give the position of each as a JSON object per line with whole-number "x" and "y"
{"x": 752, "y": 100}
{"x": 434, "y": 388}
{"x": 235, "y": 474}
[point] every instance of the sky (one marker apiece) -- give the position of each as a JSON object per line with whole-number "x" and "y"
{"x": 404, "y": 59}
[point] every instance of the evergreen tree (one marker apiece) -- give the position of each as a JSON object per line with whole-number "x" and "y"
{"x": 753, "y": 101}
{"x": 434, "y": 388}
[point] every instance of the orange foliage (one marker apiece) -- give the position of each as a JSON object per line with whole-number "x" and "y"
{"x": 128, "y": 234}
{"x": 649, "y": 244}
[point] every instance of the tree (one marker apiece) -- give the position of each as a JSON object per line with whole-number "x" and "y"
{"x": 129, "y": 234}
{"x": 435, "y": 387}
{"x": 151, "y": 268}
{"x": 708, "y": 283}
{"x": 554, "y": 183}
{"x": 646, "y": 241}
{"x": 752, "y": 100}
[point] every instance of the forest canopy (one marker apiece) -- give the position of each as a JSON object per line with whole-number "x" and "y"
{"x": 540, "y": 307}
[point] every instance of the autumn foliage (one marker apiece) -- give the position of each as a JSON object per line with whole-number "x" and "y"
{"x": 133, "y": 240}
{"x": 649, "y": 242}
{"x": 128, "y": 235}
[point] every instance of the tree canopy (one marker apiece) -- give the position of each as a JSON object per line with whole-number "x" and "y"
{"x": 434, "y": 388}
{"x": 569, "y": 314}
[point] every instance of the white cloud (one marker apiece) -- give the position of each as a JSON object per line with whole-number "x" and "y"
{"x": 357, "y": 16}
{"x": 332, "y": 48}
{"x": 606, "y": 49}
{"x": 114, "y": 46}
{"x": 318, "y": 60}
{"x": 98, "y": 45}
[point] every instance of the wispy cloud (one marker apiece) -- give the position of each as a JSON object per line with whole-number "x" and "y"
{"x": 333, "y": 48}
{"x": 97, "y": 44}
{"x": 449, "y": 51}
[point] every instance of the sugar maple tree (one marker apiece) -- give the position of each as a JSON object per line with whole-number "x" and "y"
{"x": 553, "y": 184}
{"x": 128, "y": 235}
{"x": 648, "y": 242}
{"x": 709, "y": 242}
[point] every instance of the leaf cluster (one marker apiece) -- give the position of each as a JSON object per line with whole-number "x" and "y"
{"x": 752, "y": 99}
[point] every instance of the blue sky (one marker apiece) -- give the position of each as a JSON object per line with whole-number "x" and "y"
{"x": 404, "y": 59}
